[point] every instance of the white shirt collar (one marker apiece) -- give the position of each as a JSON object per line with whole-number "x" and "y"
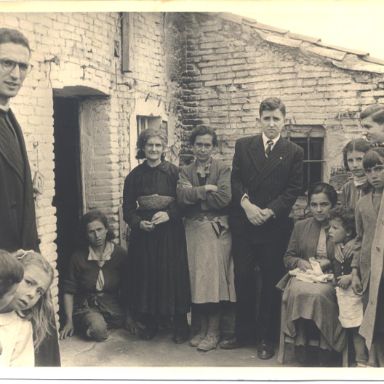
{"x": 108, "y": 250}
{"x": 7, "y": 318}
{"x": 265, "y": 139}
{"x": 5, "y": 107}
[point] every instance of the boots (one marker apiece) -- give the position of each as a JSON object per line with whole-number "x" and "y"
{"x": 202, "y": 332}
{"x": 181, "y": 328}
{"x": 213, "y": 333}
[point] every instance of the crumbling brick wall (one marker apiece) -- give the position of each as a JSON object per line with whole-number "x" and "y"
{"x": 78, "y": 55}
{"x": 230, "y": 67}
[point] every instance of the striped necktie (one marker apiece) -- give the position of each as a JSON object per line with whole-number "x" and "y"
{"x": 268, "y": 148}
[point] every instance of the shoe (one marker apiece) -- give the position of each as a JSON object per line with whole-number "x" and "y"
{"x": 265, "y": 350}
{"x": 196, "y": 340}
{"x": 327, "y": 358}
{"x": 180, "y": 335}
{"x": 232, "y": 343}
{"x": 208, "y": 343}
{"x": 147, "y": 333}
{"x": 301, "y": 355}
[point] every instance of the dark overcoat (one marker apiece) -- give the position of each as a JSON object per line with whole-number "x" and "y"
{"x": 17, "y": 209}
{"x": 274, "y": 182}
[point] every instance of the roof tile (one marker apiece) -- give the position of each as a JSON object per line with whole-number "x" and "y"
{"x": 353, "y": 63}
{"x": 265, "y": 27}
{"x": 373, "y": 60}
{"x": 345, "y": 58}
{"x": 232, "y": 17}
{"x": 308, "y": 39}
{"x": 321, "y": 51}
{"x": 342, "y": 49}
{"x": 281, "y": 40}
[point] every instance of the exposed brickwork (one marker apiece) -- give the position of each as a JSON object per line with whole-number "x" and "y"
{"x": 77, "y": 50}
{"x": 188, "y": 69}
{"x": 232, "y": 66}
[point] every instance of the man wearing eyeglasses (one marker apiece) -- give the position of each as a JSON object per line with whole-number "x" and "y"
{"x": 17, "y": 208}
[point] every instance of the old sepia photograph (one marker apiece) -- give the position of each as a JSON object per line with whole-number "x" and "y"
{"x": 192, "y": 186}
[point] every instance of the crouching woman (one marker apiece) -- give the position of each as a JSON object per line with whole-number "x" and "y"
{"x": 93, "y": 282}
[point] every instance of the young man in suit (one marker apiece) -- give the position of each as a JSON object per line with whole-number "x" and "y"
{"x": 267, "y": 178}
{"x": 17, "y": 207}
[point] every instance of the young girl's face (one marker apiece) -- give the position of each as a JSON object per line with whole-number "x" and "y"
{"x": 375, "y": 175}
{"x": 355, "y": 162}
{"x": 337, "y": 232}
{"x": 320, "y": 206}
{"x": 35, "y": 283}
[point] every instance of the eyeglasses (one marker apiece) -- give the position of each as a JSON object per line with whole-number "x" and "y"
{"x": 8, "y": 66}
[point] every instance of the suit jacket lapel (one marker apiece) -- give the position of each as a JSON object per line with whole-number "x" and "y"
{"x": 29, "y": 236}
{"x": 276, "y": 156}
{"x": 8, "y": 151}
{"x": 256, "y": 153}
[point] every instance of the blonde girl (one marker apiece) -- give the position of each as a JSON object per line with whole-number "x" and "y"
{"x": 32, "y": 300}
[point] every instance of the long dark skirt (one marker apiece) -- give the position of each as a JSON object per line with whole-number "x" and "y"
{"x": 158, "y": 277}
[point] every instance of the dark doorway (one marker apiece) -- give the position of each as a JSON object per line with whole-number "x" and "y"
{"x": 68, "y": 186}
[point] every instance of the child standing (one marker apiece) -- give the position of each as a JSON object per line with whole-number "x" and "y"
{"x": 357, "y": 186}
{"x": 342, "y": 230}
{"x": 15, "y": 332}
{"x": 367, "y": 272}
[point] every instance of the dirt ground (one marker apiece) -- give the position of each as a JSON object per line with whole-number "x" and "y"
{"x": 124, "y": 350}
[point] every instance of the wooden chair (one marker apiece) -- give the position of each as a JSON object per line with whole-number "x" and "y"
{"x": 284, "y": 339}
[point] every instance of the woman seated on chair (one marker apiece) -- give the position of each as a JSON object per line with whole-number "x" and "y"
{"x": 309, "y": 309}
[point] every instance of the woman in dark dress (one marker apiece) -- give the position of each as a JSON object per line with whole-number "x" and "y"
{"x": 157, "y": 270}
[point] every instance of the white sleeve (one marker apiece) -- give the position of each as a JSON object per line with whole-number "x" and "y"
{"x": 24, "y": 354}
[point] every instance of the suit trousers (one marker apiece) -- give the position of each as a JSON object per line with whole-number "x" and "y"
{"x": 258, "y": 268}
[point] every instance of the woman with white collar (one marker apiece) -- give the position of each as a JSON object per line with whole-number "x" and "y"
{"x": 93, "y": 283}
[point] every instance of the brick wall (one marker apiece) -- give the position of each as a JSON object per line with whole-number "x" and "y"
{"x": 188, "y": 69}
{"x": 74, "y": 55}
{"x": 230, "y": 68}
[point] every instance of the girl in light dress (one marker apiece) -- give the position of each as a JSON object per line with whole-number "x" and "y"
{"x": 28, "y": 309}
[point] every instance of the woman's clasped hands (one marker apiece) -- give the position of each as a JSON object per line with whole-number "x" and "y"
{"x": 158, "y": 218}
